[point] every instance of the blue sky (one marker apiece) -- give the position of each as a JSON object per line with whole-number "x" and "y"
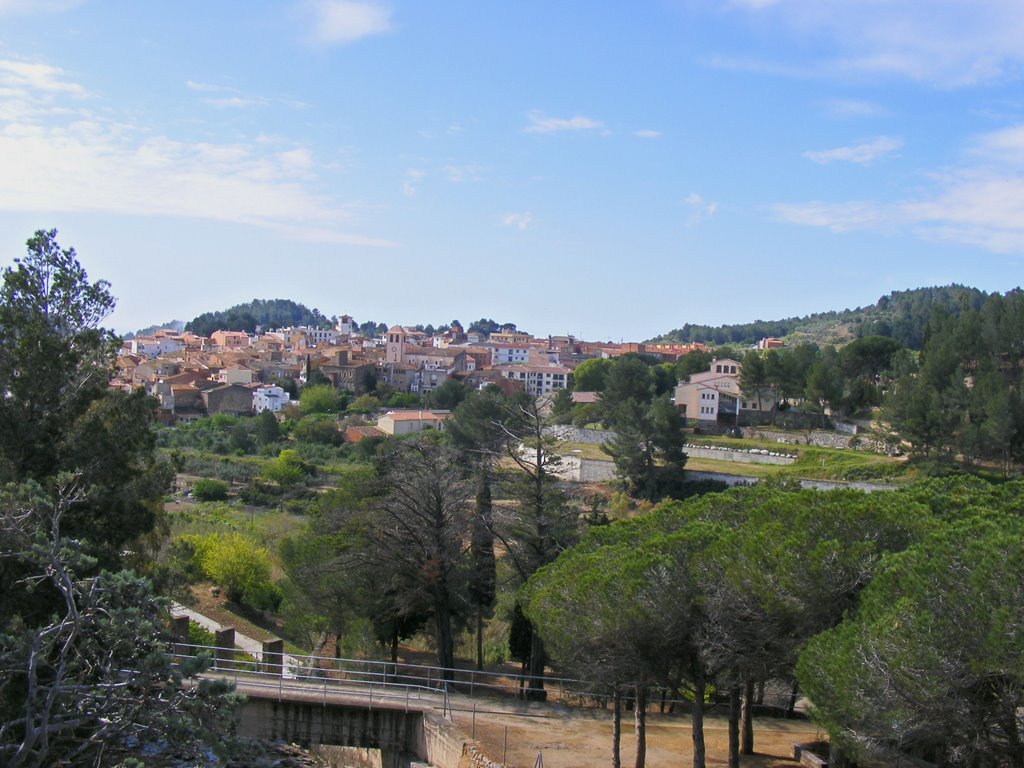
{"x": 606, "y": 169}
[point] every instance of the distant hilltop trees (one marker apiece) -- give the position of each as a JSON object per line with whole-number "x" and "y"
{"x": 902, "y": 315}
{"x": 267, "y": 313}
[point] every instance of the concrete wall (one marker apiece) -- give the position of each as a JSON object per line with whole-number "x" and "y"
{"x": 580, "y": 470}
{"x": 738, "y": 455}
{"x": 394, "y": 732}
{"x": 439, "y": 743}
{"x": 377, "y": 738}
{"x": 579, "y": 435}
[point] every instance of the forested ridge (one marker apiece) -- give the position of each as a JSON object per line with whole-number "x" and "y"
{"x": 266, "y": 313}
{"x": 901, "y": 315}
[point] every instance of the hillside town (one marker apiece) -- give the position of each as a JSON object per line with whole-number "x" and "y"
{"x": 237, "y": 373}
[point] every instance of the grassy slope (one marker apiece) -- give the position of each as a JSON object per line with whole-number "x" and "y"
{"x": 812, "y": 463}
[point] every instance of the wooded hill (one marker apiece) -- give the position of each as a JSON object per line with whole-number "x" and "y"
{"x": 902, "y": 315}
{"x": 267, "y": 313}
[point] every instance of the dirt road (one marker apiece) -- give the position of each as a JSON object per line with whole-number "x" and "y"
{"x": 582, "y": 739}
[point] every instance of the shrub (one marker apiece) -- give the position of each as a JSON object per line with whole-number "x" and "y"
{"x": 318, "y": 430}
{"x": 210, "y": 490}
{"x": 238, "y": 566}
{"x": 286, "y": 470}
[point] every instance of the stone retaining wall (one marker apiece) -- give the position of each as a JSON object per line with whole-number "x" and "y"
{"x": 750, "y": 456}
{"x": 820, "y": 438}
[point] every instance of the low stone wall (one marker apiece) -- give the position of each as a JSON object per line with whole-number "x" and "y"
{"x": 578, "y": 435}
{"x": 820, "y": 438}
{"x": 750, "y": 456}
{"x": 580, "y": 470}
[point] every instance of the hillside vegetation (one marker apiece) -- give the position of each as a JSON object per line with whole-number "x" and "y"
{"x": 268, "y": 313}
{"x": 902, "y": 315}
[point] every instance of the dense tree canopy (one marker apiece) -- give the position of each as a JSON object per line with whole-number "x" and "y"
{"x": 931, "y": 662}
{"x": 267, "y": 313}
{"x": 82, "y": 648}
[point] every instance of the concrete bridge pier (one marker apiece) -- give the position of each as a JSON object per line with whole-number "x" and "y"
{"x": 396, "y": 733}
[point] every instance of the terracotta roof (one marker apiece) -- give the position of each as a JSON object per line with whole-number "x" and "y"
{"x": 413, "y": 416}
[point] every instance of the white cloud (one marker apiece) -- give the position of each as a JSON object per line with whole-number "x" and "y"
{"x": 700, "y": 209}
{"x": 647, "y": 133}
{"x": 237, "y": 102}
{"x": 233, "y": 98}
{"x": 461, "y": 173}
{"x": 858, "y": 153}
{"x": 518, "y": 220}
{"x": 838, "y": 217}
{"x": 192, "y": 85}
{"x": 953, "y": 43}
{"x": 37, "y": 79}
{"x": 845, "y": 108}
{"x": 539, "y": 123}
{"x": 1005, "y": 146}
{"x": 60, "y": 158}
{"x": 411, "y": 184}
{"x": 36, "y": 6}
{"x": 979, "y": 205}
{"x": 338, "y": 22}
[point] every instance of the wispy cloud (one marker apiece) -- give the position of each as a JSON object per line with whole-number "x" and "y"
{"x": 64, "y": 157}
{"x": 954, "y": 44}
{"x": 1005, "y": 146}
{"x": 37, "y": 79}
{"x": 462, "y": 173}
{"x": 979, "y": 204}
{"x": 36, "y": 6}
{"x": 699, "y": 209}
{"x": 847, "y": 108}
{"x": 411, "y": 183}
{"x": 838, "y": 217}
{"x": 541, "y": 123}
{"x": 339, "y": 22}
{"x": 237, "y": 102}
{"x": 760, "y": 67}
{"x": 233, "y": 98}
{"x": 192, "y": 85}
{"x": 519, "y": 221}
{"x": 647, "y": 133}
{"x": 861, "y": 154}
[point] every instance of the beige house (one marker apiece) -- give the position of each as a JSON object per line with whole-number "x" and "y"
{"x": 408, "y": 422}
{"x": 716, "y": 393}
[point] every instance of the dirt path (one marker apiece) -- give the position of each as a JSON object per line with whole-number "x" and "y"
{"x": 581, "y": 739}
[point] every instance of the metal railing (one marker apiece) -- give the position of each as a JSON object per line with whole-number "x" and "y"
{"x": 407, "y": 684}
{"x": 304, "y": 681}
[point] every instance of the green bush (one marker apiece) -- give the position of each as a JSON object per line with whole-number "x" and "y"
{"x": 317, "y": 429}
{"x": 238, "y": 566}
{"x": 199, "y": 635}
{"x": 287, "y": 470}
{"x": 210, "y": 490}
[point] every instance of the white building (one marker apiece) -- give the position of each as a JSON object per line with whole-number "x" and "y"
{"x": 304, "y": 335}
{"x": 509, "y": 354}
{"x": 149, "y": 346}
{"x": 538, "y": 380}
{"x": 269, "y": 398}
